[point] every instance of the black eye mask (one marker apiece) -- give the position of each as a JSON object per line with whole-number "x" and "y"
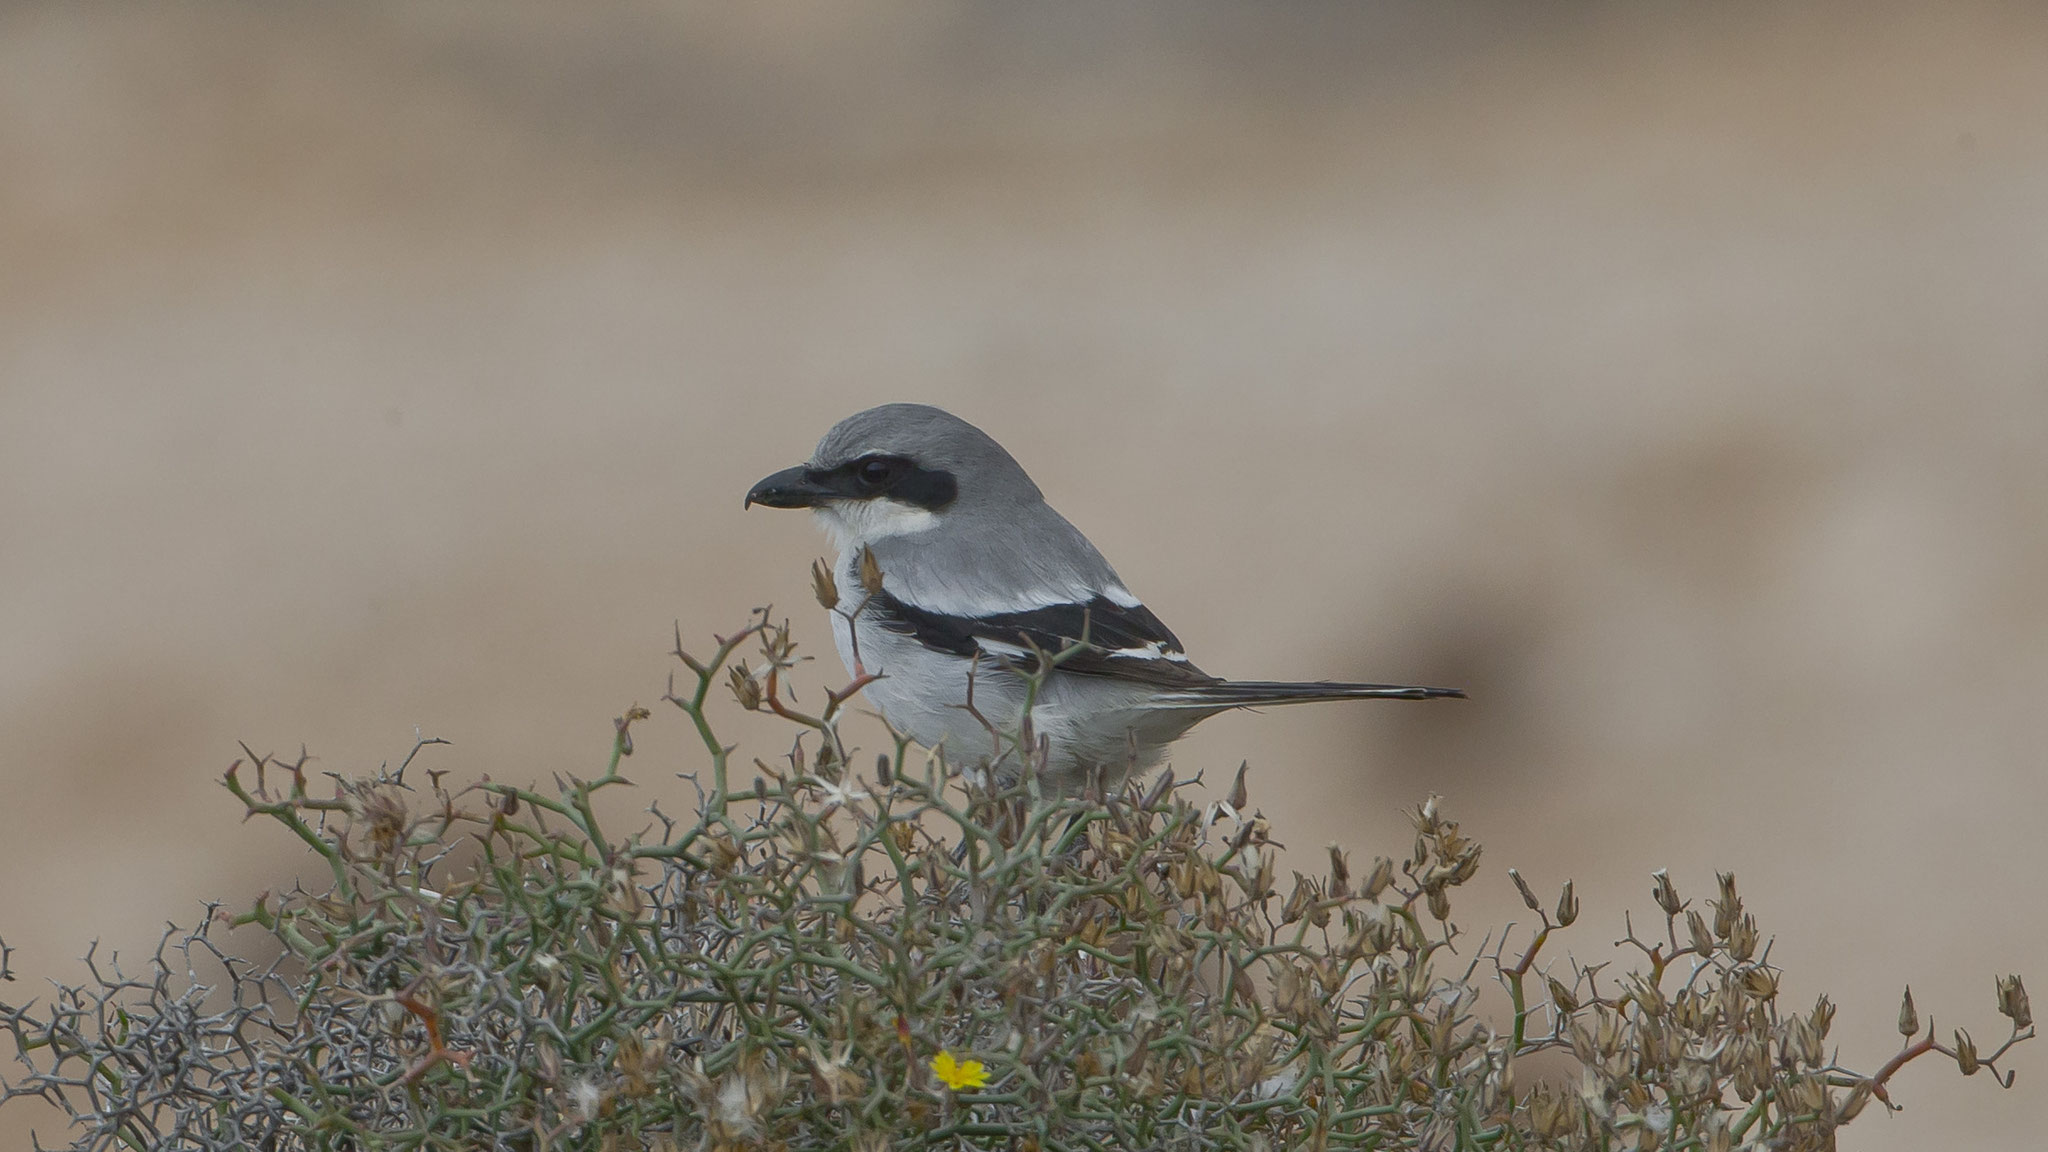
{"x": 892, "y": 476}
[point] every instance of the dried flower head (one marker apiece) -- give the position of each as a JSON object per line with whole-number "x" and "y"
{"x": 870, "y": 572}
{"x": 2012, "y": 1002}
{"x": 823, "y": 586}
{"x": 745, "y": 688}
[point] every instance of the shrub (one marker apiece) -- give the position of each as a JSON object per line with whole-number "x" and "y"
{"x": 822, "y": 958}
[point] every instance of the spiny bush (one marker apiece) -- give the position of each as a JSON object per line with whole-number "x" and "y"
{"x": 822, "y": 958}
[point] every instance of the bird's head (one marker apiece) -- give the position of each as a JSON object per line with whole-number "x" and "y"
{"x": 896, "y": 470}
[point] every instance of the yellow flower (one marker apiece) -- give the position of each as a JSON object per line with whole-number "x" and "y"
{"x": 959, "y": 1074}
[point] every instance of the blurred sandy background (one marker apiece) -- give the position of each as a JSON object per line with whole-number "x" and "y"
{"x": 1675, "y": 379}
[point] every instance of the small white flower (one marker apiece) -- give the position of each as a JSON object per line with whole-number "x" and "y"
{"x": 839, "y": 794}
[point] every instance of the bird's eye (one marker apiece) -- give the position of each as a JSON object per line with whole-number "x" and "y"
{"x": 875, "y": 473}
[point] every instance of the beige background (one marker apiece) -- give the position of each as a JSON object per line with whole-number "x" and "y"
{"x": 1675, "y": 380}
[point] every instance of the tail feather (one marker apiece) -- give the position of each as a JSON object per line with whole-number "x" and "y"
{"x": 1253, "y": 693}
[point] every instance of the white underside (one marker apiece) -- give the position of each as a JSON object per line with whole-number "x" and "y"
{"x": 1089, "y": 723}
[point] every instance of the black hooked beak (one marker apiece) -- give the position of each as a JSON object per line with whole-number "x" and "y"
{"x": 789, "y": 488}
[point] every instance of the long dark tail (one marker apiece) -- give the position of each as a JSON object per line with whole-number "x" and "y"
{"x": 1252, "y": 693}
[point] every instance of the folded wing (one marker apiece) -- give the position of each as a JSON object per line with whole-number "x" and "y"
{"x": 1124, "y": 642}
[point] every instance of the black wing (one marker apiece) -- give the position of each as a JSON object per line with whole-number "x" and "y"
{"x": 1125, "y": 643}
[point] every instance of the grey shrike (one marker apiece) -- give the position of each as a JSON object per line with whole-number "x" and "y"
{"x": 980, "y": 574}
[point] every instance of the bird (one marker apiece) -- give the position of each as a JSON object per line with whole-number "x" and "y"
{"x": 989, "y": 603}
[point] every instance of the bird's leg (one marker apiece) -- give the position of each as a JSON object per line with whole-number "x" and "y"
{"x": 1131, "y": 754}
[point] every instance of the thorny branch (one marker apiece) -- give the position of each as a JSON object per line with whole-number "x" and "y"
{"x": 490, "y": 968}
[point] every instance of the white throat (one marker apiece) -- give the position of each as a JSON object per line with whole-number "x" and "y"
{"x": 854, "y": 524}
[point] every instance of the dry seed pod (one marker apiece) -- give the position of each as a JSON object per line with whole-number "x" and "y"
{"x": 1585, "y": 1046}
{"x": 1382, "y": 875}
{"x": 1522, "y": 886}
{"x": 2012, "y": 1002}
{"x": 1647, "y": 996}
{"x": 1689, "y": 1010}
{"x": 1547, "y": 1113}
{"x": 745, "y": 688}
{"x": 1742, "y": 938}
{"x": 1727, "y": 917}
{"x": 1562, "y": 996}
{"x": 1610, "y": 1032}
{"x": 1665, "y": 895}
{"x": 1696, "y": 927}
{"x": 1804, "y": 1042}
{"x": 1823, "y": 1015}
{"x": 823, "y": 587}
{"x": 1259, "y": 883}
{"x": 1298, "y": 902}
{"x": 1759, "y": 982}
{"x": 1466, "y": 867}
{"x": 1340, "y": 874}
{"x": 1808, "y": 1095}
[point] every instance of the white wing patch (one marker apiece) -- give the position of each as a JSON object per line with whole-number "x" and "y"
{"x": 1153, "y": 651}
{"x": 1120, "y": 596}
{"x": 998, "y": 648}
